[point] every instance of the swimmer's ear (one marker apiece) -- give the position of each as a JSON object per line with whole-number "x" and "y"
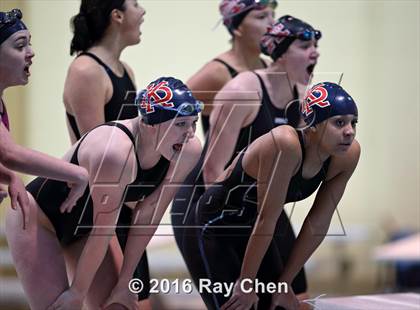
{"x": 237, "y": 32}
{"x": 117, "y": 16}
{"x": 143, "y": 125}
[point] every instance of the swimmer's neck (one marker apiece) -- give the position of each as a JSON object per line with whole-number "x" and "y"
{"x": 314, "y": 153}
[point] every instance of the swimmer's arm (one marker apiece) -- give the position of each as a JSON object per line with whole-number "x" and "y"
{"x": 232, "y": 105}
{"x": 317, "y": 222}
{"x": 149, "y": 212}
{"x": 109, "y": 175}
{"x": 85, "y": 93}
{"x": 6, "y": 175}
{"x": 146, "y": 218}
{"x": 17, "y": 192}
{"x": 24, "y": 160}
{"x": 277, "y": 162}
{"x": 5, "y": 178}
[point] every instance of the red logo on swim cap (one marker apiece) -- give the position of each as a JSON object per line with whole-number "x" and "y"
{"x": 312, "y": 100}
{"x": 230, "y": 8}
{"x": 274, "y": 36}
{"x": 279, "y": 30}
{"x": 154, "y": 96}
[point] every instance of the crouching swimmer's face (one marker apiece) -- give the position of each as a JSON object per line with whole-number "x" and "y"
{"x": 331, "y": 113}
{"x": 169, "y": 106}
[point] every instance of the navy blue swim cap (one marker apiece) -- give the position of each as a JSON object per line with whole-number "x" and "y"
{"x": 10, "y": 22}
{"x": 282, "y": 34}
{"x": 325, "y": 100}
{"x": 165, "y": 99}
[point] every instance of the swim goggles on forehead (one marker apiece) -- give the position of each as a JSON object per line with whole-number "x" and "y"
{"x": 9, "y": 17}
{"x": 263, "y": 3}
{"x": 184, "y": 109}
{"x": 257, "y": 4}
{"x": 307, "y": 35}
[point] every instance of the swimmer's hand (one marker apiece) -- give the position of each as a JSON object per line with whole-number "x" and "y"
{"x": 18, "y": 198}
{"x": 123, "y": 297}
{"x": 68, "y": 300}
{"x": 240, "y": 299}
{"x": 3, "y": 193}
{"x": 76, "y": 191}
{"x": 287, "y": 300}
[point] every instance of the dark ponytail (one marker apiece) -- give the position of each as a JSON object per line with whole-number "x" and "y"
{"x": 90, "y": 23}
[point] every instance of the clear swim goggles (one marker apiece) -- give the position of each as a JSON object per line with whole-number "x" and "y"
{"x": 184, "y": 109}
